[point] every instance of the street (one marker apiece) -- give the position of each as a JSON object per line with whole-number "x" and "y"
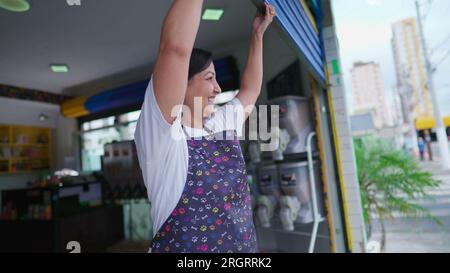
{"x": 422, "y": 235}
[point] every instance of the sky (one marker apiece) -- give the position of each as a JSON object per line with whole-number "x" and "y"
{"x": 364, "y": 29}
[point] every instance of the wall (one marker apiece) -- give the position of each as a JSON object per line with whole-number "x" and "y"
{"x": 22, "y": 112}
{"x": 344, "y": 142}
{"x": 65, "y": 139}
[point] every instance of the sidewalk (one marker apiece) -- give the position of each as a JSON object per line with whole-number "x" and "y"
{"x": 421, "y": 235}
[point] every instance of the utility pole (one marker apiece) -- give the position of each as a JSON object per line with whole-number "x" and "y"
{"x": 408, "y": 103}
{"x": 440, "y": 128}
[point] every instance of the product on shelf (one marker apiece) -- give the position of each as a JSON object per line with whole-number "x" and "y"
{"x": 22, "y": 139}
{"x": 24, "y": 148}
{"x": 8, "y": 212}
{"x": 42, "y": 139}
{"x": 5, "y": 152}
{"x": 4, "y": 139}
{"x": 3, "y": 166}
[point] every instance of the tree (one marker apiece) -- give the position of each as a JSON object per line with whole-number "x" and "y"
{"x": 390, "y": 182}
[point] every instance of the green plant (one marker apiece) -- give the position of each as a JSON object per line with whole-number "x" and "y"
{"x": 390, "y": 182}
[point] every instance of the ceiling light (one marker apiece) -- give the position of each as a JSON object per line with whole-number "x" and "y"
{"x": 43, "y": 117}
{"x": 59, "y": 68}
{"x": 15, "y": 5}
{"x": 212, "y": 14}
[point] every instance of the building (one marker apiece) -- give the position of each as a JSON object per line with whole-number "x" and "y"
{"x": 362, "y": 125}
{"x": 369, "y": 93}
{"x": 410, "y": 68}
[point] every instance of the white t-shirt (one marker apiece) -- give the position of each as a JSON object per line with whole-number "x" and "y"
{"x": 163, "y": 153}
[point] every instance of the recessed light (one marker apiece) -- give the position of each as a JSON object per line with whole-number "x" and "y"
{"x": 15, "y": 5}
{"x": 59, "y": 68}
{"x": 43, "y": 117}
{"x": 212, "y": 14}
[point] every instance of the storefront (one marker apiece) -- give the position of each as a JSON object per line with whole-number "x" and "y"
{"x": 303, "y": 195}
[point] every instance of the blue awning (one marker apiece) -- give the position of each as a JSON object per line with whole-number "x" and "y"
{"x": 133, "y": 94}
{"x": 294, "y": 19}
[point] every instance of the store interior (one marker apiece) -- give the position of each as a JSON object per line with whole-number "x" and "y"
{"x": 70, "y": 173}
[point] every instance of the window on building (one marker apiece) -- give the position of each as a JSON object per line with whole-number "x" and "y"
{"x": 96, "y": 133}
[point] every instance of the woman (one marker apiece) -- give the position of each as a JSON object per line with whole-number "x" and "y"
{"x": 196, "y": 183}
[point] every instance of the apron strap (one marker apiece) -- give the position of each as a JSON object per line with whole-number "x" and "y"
{"x": 209, "y": 136}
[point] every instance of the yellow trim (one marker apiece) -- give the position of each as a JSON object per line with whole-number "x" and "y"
{"x": 75, "y": 101}
{"x": 311, "y": 17}
{"x": 75, "y": 107}
{"x": 430, "y": 123}
{"x": 323, "y": 166}
{"x": 339, "y": 165}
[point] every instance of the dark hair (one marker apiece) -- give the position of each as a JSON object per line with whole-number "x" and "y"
{"x": 200, "y": 60}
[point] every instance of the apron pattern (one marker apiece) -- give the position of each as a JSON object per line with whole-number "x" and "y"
{"x": 214, "y": 214}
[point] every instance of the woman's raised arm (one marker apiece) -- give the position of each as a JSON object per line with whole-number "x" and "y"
{"x": 252, "y": 77}
{"x": 170, "y": 76}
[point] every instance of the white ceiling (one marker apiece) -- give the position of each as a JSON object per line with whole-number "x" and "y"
{"x": 99, "y": 39}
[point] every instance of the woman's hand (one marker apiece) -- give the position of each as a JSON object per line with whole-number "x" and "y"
{"x": 261, "y": 21}
{"x": 252, "y": 77}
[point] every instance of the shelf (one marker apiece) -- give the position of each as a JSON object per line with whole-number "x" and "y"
{"x": 24, "y": 145}
{"x": 24, "y": 172}
{"x": 29, "y": 158}
{"x": 16, "y": 140}
{"x": 27, "y": 172}
{"x": 26, "y": 221}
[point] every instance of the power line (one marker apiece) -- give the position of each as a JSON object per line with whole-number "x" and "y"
{"x": 441, "y": 61}
{"x": 444, "y": 42}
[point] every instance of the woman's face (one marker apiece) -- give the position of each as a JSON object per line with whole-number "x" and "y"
{"x": 203, "y": 86}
